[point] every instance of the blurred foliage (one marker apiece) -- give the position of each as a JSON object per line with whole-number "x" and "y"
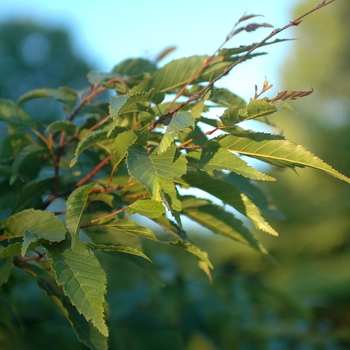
{"x": 34, "y": 57}
{"x": 301, "y": 304}
{"x": 317, "y": 226}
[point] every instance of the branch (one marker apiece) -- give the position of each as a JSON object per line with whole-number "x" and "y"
{"x": 202, "y": 92}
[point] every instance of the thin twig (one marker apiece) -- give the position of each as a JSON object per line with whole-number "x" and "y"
{"x": 202, "y": 92}
{"x": 94, "y": 171}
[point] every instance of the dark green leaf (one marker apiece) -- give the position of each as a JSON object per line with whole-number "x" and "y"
{"x": 118, "y": 249}
{"x": 62, "y": 125}
{"x": 82, "y": 279}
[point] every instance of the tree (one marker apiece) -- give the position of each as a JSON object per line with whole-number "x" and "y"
{"x": 77, "y": 182}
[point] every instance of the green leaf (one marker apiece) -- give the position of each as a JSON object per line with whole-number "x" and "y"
{"x": 255, "y": 109}
{"x": 118, "y": 249}
{"x": 146, "y": 207}
{"x": 149, "y": 169}
{"x": 16, "y": 116}
{"x": 211, "y": 159}
{"x": 23, "y": 155}
{"x": 96, "y": 77}
{"x": 204, "y": 262}
{"x": 62, "y": 94}
{"x": 85, "y": 331}
{"x": 135, "y": 66}
{"x": 133, "y": 228}
{"x": 173, "y": 75}
{"x": 62, "y": 125}
{"x": 5, "y": 269}
{"x": 75, "y": 206}
{"x": 171, "y": 199}
{"x": 122, "y": 104}
{"x": 219, "y": 221}
{"x": 178, "y": 123}
{"x": 171, "y": 227}
{"x": 124, "y": 140}
{"x": 91, "y": 139}
{"x": 82, "y": 279}
{"x": 275, "y": 150}
{"x": 226, "y": 98}
{"x": 41, "y": 223}
{"x": 197, "y": 110}
{"x": 244, "y": 48}
{"x": 11, "y": 250}
{"x": 229, "y": 194}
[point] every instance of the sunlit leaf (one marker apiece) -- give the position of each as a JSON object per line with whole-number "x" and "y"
{"x": 147, "y": 207}
{"x": 133, "y": 228}
{"x": 275, "y": 150}
{"x": 150, "y": 168}
{"x": 179, "y": 122}
{"x": 118, "y": 249}
{"x": 211, "y": 159}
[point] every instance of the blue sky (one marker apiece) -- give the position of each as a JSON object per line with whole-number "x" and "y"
{"x": 106, "y": 32}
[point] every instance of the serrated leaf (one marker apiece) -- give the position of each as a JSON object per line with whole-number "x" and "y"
{"x": 62, "y": 94}
{"x": 226, "y": 98}
{"x": 91, "y": 139}
{"x": 121, "y": 104}
{"x": 16, "y": 116}
{"x": 82, "y": 278}
{"x": 124, "y": 140}
{"x": 75, "y": 206}
{"x": 85, "y": 331}
{"x": 219, "y": 159}
{"x": 149, "y": 169}
{"x": 243, "y": 48}
{"x": 118, "y": 249}
{"x": 291, "y": 95}
{"x": 220, "y": 222}
{"x": 197, "y": 110}
{"x": 230, "y": 195}
{"x": 147, "y": 207}
{"x": 179, "y": 122}
{"x": 171, "y": 199}
{"x": 11, "y": 249}
{"x": 131, "y": 227}
{"x": 171, "y": 227}
{"x": 41, "y": 223}
{"x": 28, "y": 239}
{"x": 255, "y": 109}
{"x": 204, "y": 262}
{"x": 275, "y": 150}
{"x": 23, "y": 155}
{"x": 62, "y": 125}
{"x": 173, "y": 75}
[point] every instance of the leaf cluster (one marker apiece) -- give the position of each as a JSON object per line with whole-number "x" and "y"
{"x": 71, "y": 188}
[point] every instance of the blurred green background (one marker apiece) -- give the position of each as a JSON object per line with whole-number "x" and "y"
{"x": 304, "y": 303}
